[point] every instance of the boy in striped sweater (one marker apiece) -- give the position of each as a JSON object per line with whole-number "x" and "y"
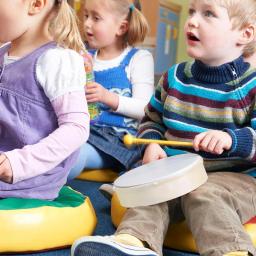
{"x": 210, "y": 101}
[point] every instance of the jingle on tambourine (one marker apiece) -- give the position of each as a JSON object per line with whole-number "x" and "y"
{"x": 129, "y": 140}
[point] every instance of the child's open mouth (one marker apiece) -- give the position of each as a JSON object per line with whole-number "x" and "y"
{"x": 192, "y": 37}
{"x": 89, "y": 34}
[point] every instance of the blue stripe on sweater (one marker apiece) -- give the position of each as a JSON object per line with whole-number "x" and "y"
{"x": 180, "y": 126}
{"x": 208, "y": 93}
{"x": 156, "y": 104}
{"x": 197, "y": 122}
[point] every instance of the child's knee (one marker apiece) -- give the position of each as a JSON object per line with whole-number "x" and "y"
{"x": 206, "y": 194}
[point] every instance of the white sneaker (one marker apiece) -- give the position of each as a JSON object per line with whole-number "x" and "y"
{"x": 106, "y": 246}
{"x": 107, "y": 190}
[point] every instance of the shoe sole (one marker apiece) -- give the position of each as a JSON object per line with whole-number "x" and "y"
{"x": 98, "y": 246}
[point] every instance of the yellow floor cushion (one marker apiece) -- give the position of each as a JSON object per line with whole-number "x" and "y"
{"x": 103, "y": 175}
{"x": 178, "y": 236}
{"x": 35, "y": 225}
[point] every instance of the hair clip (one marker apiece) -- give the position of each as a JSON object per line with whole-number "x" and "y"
{"x": 131, "y": 7}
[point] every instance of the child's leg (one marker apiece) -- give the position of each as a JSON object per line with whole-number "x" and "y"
{"x": 140, "y": 226}
{"x": 216, "y": 210}
{"x": 149, "y": 224}
{"x": 90, "y": 158}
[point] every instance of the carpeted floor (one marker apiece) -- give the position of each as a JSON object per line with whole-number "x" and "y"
{"x": 104, "y": 226}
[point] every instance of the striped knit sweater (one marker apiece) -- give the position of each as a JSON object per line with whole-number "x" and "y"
{"x": 192, "y": 98}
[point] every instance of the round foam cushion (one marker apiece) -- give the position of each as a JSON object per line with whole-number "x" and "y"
{"x": 178, "y": 236}
{"x": 103, "y": 175}
{"x": 35, "y": 225}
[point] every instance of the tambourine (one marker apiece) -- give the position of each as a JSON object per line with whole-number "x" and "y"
{"x": 161, "y": 180}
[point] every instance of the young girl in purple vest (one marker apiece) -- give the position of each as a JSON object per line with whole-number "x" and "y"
{"x": 124, "y": 78}
{"x": 44, "y": 116}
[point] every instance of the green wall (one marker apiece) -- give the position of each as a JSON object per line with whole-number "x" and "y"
{"x": 181, "y": 51}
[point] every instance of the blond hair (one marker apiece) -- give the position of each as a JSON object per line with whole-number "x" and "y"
{"x": 138, "y": 25}
{"x": 64, "y": 27}
{"x": 242, "y": 13}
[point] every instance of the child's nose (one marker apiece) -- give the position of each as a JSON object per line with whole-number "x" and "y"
{"x": 193, "y": 21}
{"x": 88, "y": 22}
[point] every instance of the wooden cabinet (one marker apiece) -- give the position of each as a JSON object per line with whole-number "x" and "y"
{"x": 163, "y": 17}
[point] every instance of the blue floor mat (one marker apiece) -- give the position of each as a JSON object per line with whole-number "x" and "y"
{"x": 104, "y": 226}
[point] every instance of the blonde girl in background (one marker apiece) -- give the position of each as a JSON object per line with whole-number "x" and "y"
{"x": 124, "y": 81}
{"x": 44, "y": 116}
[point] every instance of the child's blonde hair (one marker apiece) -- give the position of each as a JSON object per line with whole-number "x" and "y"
{"x": 64, "y": 27}
{"x": 138, "y": 25}
{"x": 242, "y": 13}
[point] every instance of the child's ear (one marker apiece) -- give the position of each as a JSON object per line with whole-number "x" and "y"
{"x": 123, "y": 28}
{"x": 35, "y": 6}
{"x": 247, "y": 35}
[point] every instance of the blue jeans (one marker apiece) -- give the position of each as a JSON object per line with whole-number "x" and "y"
{"x": 91, "y": 158}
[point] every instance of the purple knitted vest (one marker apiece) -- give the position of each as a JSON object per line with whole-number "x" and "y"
{"x": 27, "y": 117}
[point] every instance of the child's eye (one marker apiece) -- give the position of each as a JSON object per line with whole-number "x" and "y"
{"x": 191, "y": 11}
{"x": 86, "y": 16}
{"x": 96, "y": 18}
{"x": 209, "y": 13}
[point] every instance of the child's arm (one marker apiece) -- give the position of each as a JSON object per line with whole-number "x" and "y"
{"x": 243, "y": 140}
{"x": 238, "y": 143}
{"x": 73, "y": 131}
{"x": 141, "y": 71}
{"x": 61, "y": 74}
{"x": 152, "y": 126}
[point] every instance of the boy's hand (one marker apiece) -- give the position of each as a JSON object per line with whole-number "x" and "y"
{"x": 214, "y": 142}
{"x": 153, "y": 152}
{"x": 6, "y": 174}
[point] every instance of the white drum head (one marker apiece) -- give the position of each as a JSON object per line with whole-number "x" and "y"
{"x": 160, "y": 180}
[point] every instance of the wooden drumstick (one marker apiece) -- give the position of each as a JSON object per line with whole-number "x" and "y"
{"x": 129, "y": 140}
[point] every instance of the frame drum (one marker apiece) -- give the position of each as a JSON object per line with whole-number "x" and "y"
{"x": 161, "y": 180}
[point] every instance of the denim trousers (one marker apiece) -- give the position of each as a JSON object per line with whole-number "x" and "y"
{"x": 215, "y": 213}
{"x": 105, "y": 149}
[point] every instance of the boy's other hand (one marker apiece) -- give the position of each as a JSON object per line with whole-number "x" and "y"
{"x": 214, "y": 142}
{"x": 6, "y": 174}
{"x": 153, "y": 152}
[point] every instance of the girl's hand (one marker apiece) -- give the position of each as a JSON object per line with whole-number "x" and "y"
{"x": 97, "y": 93}
{"x": 6, "y": 174}
{"x": 153, "y": 152}
{"x": 214, "y": 142}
